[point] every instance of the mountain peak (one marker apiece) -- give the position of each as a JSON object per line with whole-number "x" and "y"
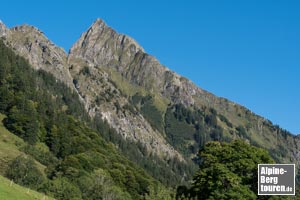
{"x": 99, "y": 21}
{"x": 101, "y": 45}
{"x": 101, "y": 28}
{"x": 98, "y": 25}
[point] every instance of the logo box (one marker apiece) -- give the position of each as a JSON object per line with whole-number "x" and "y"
{"x": 276, "y": 179}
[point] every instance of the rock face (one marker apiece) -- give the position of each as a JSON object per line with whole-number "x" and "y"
{"x": 101, "y": 96}
{"x": 107, "y": 69}
{"x": 98, "y": 48}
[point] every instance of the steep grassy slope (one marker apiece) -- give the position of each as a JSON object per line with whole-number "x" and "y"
{"x": 12, "y": 191}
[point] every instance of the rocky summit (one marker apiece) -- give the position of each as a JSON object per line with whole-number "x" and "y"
{"x": 144, "y": 101}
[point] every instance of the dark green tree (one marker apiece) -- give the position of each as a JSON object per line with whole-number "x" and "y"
{"x": 22, "y": 120}
{"x": 228, "y": 171}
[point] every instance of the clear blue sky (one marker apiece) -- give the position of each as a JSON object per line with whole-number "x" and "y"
{"x": 245, "y": 50}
